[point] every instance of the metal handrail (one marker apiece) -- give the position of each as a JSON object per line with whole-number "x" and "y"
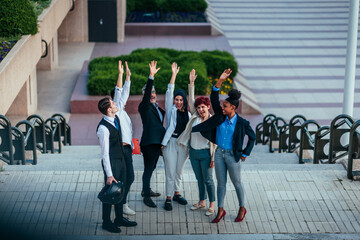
{"x": 39, "y": 124}
{"x": 19, "y": 144}
{"x": 266, "y": 127}
{"x": 274, "y": 131}
{"x": 354, "y": 151}
{"x": 63, "y": 124}
{"x": 68, "y": 134}
{"x": 283, "y": 136}
{"x": 56, "y": 132}
{"x": 309, "y": 143}
{"x": 29, "y": 137}
{"x": 320, "y": 143}
{"x": 293, "y": 129}
{"x": 259, "y": 131}
{"x": 336, "y": 132}
{"x": 7, "y": 146}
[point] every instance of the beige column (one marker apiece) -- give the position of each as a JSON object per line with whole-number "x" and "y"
{"x": 25, "y": 102}
{"x": 52, "y": 59}
{"x": 75, "y": 27}
{"x": 121, "y": 18}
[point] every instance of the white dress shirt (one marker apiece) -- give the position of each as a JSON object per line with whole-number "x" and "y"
{"x": 120, "y": 98}
{"x": 104, "y": 134}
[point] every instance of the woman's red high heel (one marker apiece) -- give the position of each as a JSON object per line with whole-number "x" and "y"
{"x": 216, "y": 220}
{"x": 240, "y": 219}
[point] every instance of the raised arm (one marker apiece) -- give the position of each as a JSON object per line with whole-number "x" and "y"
{"x": 192, "y": 78}
{"x": 170, "y": 90}
{"x": 122, "y": 94}
{"x": 149, "y": 84}
{"x": 214, "y": 97}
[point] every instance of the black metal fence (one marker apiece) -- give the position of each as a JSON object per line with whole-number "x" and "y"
{"x": 31, "y": 135}
{"x": 304, "y": 134}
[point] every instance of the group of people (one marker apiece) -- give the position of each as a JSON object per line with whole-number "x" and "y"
{"x": 208, "y": 140}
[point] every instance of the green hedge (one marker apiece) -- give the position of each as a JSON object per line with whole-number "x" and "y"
{"x": 167, "y": 5}
{"x": 103, "y": 72}
{"x": 17, "y": 17}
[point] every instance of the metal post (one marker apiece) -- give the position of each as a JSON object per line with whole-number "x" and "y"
{"x": 349, "y": 86}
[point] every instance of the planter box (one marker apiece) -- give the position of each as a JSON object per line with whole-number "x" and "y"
{"x": 187, "y": 29}
{"x": 16, "y": 68}
{"x": 19, "y": 66}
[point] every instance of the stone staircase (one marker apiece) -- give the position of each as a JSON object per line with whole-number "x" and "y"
{"x": 292, "y": 53}
{"x": 87, "y": 158}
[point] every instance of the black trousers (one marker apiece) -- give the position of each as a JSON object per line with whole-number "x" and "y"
{"x": 151, "y": 155}
{"x": 130, "y": 176}
{"x": 118, "y": 168}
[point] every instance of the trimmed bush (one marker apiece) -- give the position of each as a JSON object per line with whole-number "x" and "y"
{"x": 183, "y": 5}
{"x": 103, "y": 72}
{"x": 217, "y": 61}
{"x": 17, "y": 17}
{"x": 40, "y": 5}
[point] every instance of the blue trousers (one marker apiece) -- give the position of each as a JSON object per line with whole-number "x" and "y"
{"x": 224, "y": 163}
{"x": 200, "y": 162}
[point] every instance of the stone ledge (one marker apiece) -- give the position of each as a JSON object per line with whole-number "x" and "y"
{"x": 180, "y": 29}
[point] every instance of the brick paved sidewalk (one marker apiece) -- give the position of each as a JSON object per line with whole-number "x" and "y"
{"x": 280, "y": 198}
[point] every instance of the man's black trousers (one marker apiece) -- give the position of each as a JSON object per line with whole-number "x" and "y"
{"x": 129, "y": 170}
{"x": 118, "y": 167}
{"x": 151, "y": 155}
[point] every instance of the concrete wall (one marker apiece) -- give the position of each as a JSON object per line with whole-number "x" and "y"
{"x": 18, "y": 75}
{"x": 18, "y": 82}
{"x": 75, "y": 27}
{"x": 49, "y": 23}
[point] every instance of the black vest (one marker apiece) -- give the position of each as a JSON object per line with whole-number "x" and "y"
{"x": 116, "y": 150}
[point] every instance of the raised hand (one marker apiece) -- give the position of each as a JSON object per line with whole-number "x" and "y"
{"x": 121, "y": 68}
{"x": 192, "y": 76}
{"x": 175, "y": 69}
{"x": 225, "y": 74}
{"x": 223, "y": 77}
{"x": 153, "y": 69}
{"x": 128, "y": 73}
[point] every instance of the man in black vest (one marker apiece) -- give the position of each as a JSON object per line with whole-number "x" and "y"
{"x": 113, "y": 162}
{"x": 152, "y": 117}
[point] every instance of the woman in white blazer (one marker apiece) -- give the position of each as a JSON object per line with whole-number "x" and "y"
{"x": 201, "y": 150}
{"x": 177, "y": 116}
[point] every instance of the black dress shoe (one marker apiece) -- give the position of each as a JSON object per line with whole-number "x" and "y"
{"x": 149, "y": 202}
{"x": 125, "y": 222}
{"x": 168, "y": 205}
{"x": 152, "y": 194}
{"x": 180, "y": 199}
{"x": 111, "y": 227}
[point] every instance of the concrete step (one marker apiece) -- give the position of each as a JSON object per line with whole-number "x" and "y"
{"x": 88, "y": 158}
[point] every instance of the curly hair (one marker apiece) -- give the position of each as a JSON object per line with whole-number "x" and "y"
{"x": 202, "y": 100}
